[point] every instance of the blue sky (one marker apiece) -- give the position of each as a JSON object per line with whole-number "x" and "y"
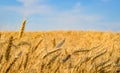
{"x": 99, "y": 15}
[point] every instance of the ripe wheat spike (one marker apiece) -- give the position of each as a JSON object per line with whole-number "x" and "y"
{"x": 7, "y": 54}
{"x": 22, "y": 29}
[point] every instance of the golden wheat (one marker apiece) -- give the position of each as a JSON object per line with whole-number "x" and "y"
{"x": 22, "y": 29}
{"x": 7, "y": 54}
{"x": 66, "y": 58}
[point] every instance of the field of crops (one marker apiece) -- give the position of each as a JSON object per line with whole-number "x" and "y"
{"x": 59, "y": 52}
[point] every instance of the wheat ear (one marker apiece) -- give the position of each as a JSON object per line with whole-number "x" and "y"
{"x": 66, "y": 58}
{"x": 0, "y": 35}
{"x": 7, "y": 54}
{"x": 22, "y": 29}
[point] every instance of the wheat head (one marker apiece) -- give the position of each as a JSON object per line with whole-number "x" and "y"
{"x": 22, "y": 29}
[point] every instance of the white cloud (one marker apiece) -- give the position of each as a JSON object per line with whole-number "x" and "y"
{"x": 27, "y": 11}
{"x": 30, "y": 7}
{"x": 72, "y": 17}
{"x": 27, "y": 3}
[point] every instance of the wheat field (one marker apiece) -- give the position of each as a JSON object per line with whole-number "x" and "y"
{"x": 59, "y": 52}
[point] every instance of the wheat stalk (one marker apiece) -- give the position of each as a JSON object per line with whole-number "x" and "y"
{"x": 57, "y": 68}
{"x": 91, "y": 68}
{"x": 98, "y": 55}
{"x": 102, "y": 63}
{"x": 20, "y": 66}
{"x": 117, "y": 60}
{"x": 53, "y": 59}
{"x": 26, "y": 61}
{"x": 13, "y": 62}
{"x": 85, "y": 50}
{"x": 54, "y": 42}
{"x": 36, "y": 46}
{"x": 95, "y": 47}
{"x": 24, "y": 43}
{"x": 80, "y": 50}
{"x": 0, "y": 35}
{"x": 50, "y": 53}
{"x": 9, "y": 67}
{"x": 108, "y": 65}
{"x": 77, "y": 66}
{"x": 1, "y": 57}
{"x": 22, "y": 29}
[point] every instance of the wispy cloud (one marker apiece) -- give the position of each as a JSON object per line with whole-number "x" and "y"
{"x": 30, "y": 7}
{"x": 27, "y": 3}
{"x": 71, "y": 16}
{"x": 27, "y": 11}
{"x": 74, "y": 16}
